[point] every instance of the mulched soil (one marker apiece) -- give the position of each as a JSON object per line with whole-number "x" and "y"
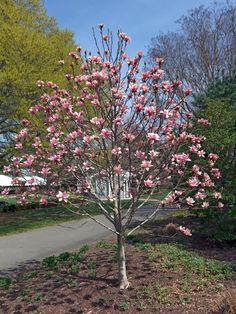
{"x": 63, "y": 292}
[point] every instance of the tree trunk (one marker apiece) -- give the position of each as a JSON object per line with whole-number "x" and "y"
{"x": 123, "y": 280}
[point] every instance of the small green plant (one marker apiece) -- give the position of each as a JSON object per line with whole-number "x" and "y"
{"x": 48, "y": 275}
{"x": 141, "y": 306}
{"x": 63, "y": 257}
{"x": 72, "y": 283}
{"x": 29, "y": 275}
{"x": 51, "y": 262}
{"x": 92, "y": 264}
{"x": 74, "y": 269}
{"x": 92, "y": 269}
{"x": 84, "y": 248}
{"x": 221, "y": 270}
{"x": 26, "y": 297}
{"x": 103, "y": 245}
{"x": 143, "y": 246}
{"x": 125, "y": 306}
{"x": 39, "y": 297}
{"x": 163, "y": 294}
{"x": 76, "y": 258}
{"x": 134, "y": 238}
{"x": 5, "y": 282}
{"x": 92, "y": 274}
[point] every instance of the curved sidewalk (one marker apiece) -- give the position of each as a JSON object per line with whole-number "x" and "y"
{"x": 21, "y": 248}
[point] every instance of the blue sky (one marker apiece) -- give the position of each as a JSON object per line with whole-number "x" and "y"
{"x": 140, "y": 19}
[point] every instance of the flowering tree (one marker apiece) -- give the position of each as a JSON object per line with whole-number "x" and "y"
{"x": 115, "y": 120}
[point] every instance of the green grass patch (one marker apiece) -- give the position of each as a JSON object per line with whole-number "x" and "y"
{"x": 176, "y": 258}
{"x": 5, "y": 282}
{"x": 24, "y": 220}
{"x": 190, "y": 272}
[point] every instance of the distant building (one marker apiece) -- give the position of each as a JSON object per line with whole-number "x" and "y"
{"x": 103, "y": 189}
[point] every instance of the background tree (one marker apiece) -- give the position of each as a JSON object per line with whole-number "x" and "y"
{"x": 30, "y": 46}
{"x": 219, "y": 106}
{"x": 202, "y": 50}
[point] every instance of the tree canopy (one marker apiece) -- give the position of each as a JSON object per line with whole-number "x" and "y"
{"x": 202, "y": 50}
{"x": 30, "y": 46}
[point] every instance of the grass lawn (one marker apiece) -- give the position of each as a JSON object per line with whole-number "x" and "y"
{"x": 167, "y": 275}
{"x": 23, "y": 220}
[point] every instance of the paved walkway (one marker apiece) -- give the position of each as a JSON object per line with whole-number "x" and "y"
{"x": 21, "y": 248}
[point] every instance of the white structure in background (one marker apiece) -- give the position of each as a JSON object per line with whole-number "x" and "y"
{"x": 6, "y": 181}
{"x": 103, "y": 189}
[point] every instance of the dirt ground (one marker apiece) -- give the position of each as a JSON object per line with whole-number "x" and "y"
{"x": 90, "y": 285}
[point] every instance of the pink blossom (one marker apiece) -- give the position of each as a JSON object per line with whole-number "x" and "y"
{"x": 87, "y": 165}
{"x": 146, "y": 164}
{"x": 196, "y": 169}
{"x": 213, "y": 156}
{"x": 190, "y": 201}
{"x": 29, "y": 161}
{"x": 40, "y": 83}
{"x": 169, "y": 199}
{"x": 181, "y": 158}
{"x": 193, "y": 181}
{"x": 18, "y": 146}
{"x": 124, "y": 36}
{"x": 54, "y": 141}
{"x": 105, "y": 133}
{"x": 151, "y": 110}
{"x": 87, "y": 139}
{"x": 45, "y": 171}
{"x": 128, "y": 137}
{"x": 159, "y": 60}
{"x": 118, "y": 121}
{"x": 207, "y": 180}
{"x": 144, "y": 88}
{"x": 44, "y": 200}
{"x": 193, "y": 149}
{"x": 149, "y": 183}
{"x": 187, "y": 91}
{"x": 5, "y": 191}
{"x": 216, "y": 172}
{"x": 25, "y": 122}
{"x": 166, "y": 86}
{"x": 74, "y": 55}
{"x": 153, "y": 154}
{"x": 62, "y": 196}
{"x": 22, "y": 134}
{"x": 185, "y": 231}
{"x": 6, "y": 169}
{"x": 117, "y": 169}
{"x": 205, "y": 205}
{"x": 201, "y": 153}
{"x": 217, "y": 195}
{"x": 72, "y": 168}
{"x": 116, "y": 151}
{"x": 203, "y": 121}
{"x": 220, "y": 205}
{"x": 61, "y": 62}
{"x": 73, "y": 135}
{"x": 153, "y": 137}
{"x": 97, "y": 121}
{"x": 139, "y": 154}
{"x": 178, "y": 193}
{"x": 200, "y": 194}
{"x": 78, "y": 152}
{"x": 138, "y": 107}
